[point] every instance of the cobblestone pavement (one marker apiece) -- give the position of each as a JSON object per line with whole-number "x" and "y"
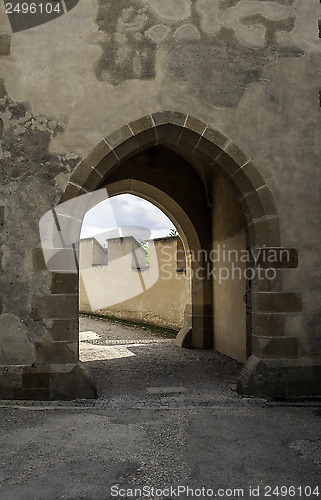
{"x": 165, "y": 418}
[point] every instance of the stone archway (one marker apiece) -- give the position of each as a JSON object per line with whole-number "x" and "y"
{"x": 196, "y": 144}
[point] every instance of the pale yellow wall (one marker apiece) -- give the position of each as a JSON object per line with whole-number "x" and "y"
{"x": 99, "y": 254}
{"x": 229, "y": 313}
{"x": 91, "y": 253}
{"x": 86, "y": 253}
{"x": 157, "y": 295}
{"x": 118, "y": 247}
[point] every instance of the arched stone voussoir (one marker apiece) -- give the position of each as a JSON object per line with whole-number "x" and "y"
{"x": 95, "y": 155}
{"x": 195, "y": 125}
{"x": 82, "y": 172}
{"x": 220, "y": 140}
{"x": 84, "y": 178}
{"x": 144, "y": 130}
{"x": 225, "y": 165}
{"x": 72, "y": 190}
{"x": 207, "y": 150}
{"x": 146, "y": 138}
{"x": 257, "y": 204}
{"x": 119, "y": 136}
{"x": 265, "y": 232}
{"x": 123, "y": 142}
{"x": 210, "y": 143}
{"x": 169, "y": 118}
{"x": 254, "y": 176}
{"x": 236, "y": 154}
{"x": 92, "y": 182}
{"x": 188, "y": 139}
{"x": 247, "y": 180}
{"x": 169, "y": 134}
{"x": 231, "y": 160}
{"x": 110, "y": 161}
{"x": 241, "y": 183}
{"x": 127, "y": 149}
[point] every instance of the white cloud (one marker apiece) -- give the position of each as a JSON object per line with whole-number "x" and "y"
{"x": 125, "y": 210}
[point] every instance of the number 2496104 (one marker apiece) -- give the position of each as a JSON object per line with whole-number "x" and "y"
{"x": 33, "y": 8}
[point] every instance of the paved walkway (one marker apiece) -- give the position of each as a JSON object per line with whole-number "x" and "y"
{"x": 166, "y": 418}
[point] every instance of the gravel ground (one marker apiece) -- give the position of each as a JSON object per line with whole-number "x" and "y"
{"x": 143, "y": 359}
{"x": 165, "y": 418}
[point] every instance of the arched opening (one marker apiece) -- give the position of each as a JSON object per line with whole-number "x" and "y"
{"x": 128, "y": 264}
{"x": 216, "y": 198}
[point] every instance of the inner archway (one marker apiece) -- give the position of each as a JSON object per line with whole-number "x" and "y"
{"x": 128, "y": 264}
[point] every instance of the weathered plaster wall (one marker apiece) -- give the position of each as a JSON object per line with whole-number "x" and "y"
{"x": 115, "y": 55}
{"x": 32, "y": 179}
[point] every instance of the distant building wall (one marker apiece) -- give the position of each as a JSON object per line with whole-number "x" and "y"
{"x": 157, "y": 294}
{"x": 91, "y": 253}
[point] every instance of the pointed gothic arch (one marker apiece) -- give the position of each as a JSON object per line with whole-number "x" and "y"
{"x": 195, "y": 144}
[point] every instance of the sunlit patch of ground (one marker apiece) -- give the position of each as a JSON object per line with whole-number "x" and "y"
{"x": 89, "y": 352}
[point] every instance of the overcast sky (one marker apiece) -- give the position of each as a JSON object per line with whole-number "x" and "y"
{"x": 124, "y": 210}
